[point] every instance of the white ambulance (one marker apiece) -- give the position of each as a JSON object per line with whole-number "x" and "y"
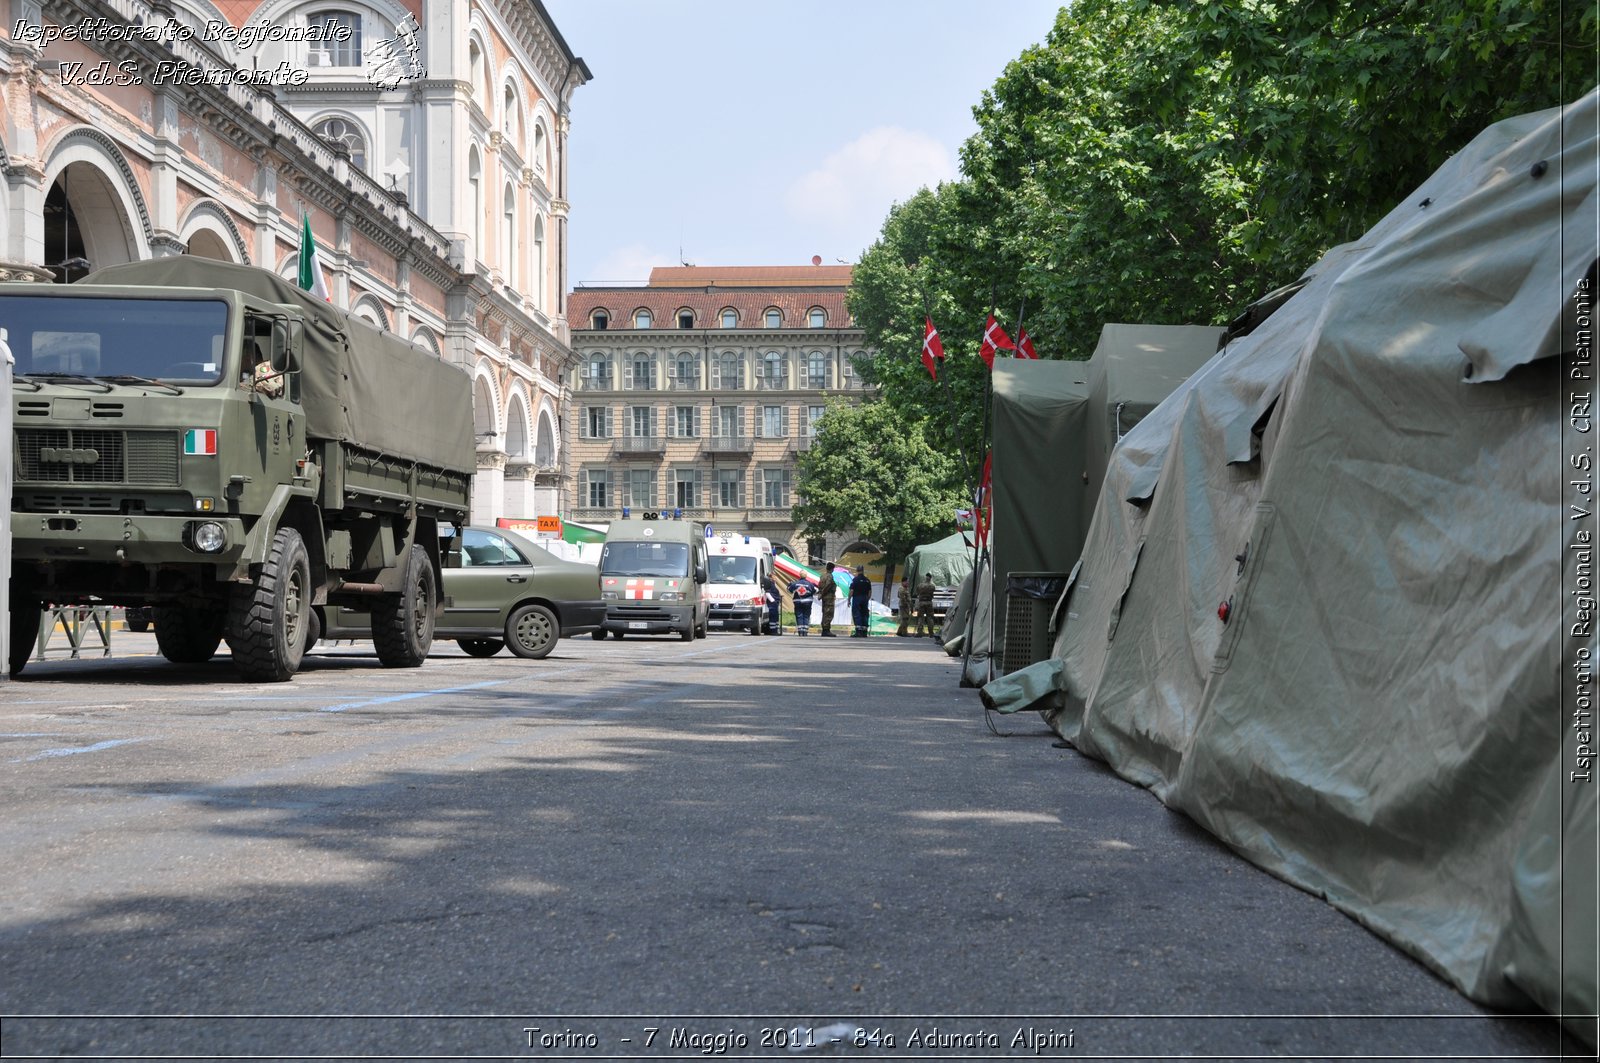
{"x": 737, "y": 564}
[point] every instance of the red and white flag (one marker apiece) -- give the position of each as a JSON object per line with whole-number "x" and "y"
{"x": 1025, "y": 346}
{"x": 994, "y": 339}
{"x": 931, "y": 349}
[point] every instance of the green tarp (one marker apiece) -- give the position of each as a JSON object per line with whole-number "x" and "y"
{"x": 1041, "y": 511}
{"x": 1133, "y": 369}
{"x": 358, "y": 384}
{"x": 1326, "y": 604}
{"x": 947, "y": 561}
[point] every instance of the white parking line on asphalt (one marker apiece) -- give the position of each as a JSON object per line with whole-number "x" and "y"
{"x": 72, "y": 751}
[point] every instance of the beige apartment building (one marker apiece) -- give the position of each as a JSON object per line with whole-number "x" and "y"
{"x": 694, "y": 394}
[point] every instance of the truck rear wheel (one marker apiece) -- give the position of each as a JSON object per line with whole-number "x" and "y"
{"x": 24, "y": 633}
{"x": 188, "y": 634}
{"x": 402, "y": 624}
{"x": 268, "y": 623}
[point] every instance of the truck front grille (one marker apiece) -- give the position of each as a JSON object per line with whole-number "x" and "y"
{"x": 97, "y": 456}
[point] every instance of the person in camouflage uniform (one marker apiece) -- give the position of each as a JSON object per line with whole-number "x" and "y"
{"x": 827, "y": 593}
{"x": 925, "y": 624}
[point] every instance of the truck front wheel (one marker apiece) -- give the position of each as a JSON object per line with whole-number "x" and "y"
{"x": 188, "y": 634}
{"x": 402, "y": 624}
{"x": 268, "y": 623}
{"x": 24, "y": 633}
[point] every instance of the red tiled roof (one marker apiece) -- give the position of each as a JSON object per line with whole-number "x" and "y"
{"x": 750, "y": 276}
{"x": 707, "y": 291}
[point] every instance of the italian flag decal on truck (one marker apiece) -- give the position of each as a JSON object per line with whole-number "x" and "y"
{"x": 200, "y": 441}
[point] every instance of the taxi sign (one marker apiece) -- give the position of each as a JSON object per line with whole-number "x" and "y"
{"x": 549, "y": 526}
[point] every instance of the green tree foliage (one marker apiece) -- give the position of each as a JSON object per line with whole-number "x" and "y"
{"x": 872, "y": 471}
{"x": 1168, "y": 162}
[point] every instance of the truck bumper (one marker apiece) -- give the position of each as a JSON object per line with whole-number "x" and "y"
{"x": 118, "y": 539}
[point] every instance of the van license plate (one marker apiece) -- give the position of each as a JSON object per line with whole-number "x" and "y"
{"x": 637, "y": 625}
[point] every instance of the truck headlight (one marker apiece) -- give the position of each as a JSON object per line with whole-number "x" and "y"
{"x": 670, "y": 596}
{"x": 609, "y": 596}
{"x": 208, "y": 536}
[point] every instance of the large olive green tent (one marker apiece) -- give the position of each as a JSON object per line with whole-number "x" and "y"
{"x": 1332, "y": 602}
{"x": 1133, "y": 369}
{"x": 947, "y": 560}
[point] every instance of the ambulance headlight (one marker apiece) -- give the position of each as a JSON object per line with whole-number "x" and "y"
{"x": 608, "y": 596}
{"x": 670, "y": 596}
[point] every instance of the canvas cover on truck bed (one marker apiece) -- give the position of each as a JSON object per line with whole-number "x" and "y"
{"x": 359, "y": 384}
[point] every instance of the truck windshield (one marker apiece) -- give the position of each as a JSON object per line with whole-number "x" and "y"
{"x": 175, "y": 340}
{"x": 726, "y": 569}
{"x": 645, "y": 559}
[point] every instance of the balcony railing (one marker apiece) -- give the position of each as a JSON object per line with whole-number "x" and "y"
{"x": 641, "y": 446}
{"x": 683, "y": 383}
{"x": 591, "y": 383}
{"x": 771, "y": 515}
{"x": 729, "y": 445}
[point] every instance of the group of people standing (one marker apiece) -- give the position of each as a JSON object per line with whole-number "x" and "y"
{"x": 804, "y": 594}
{"x": 924, "y": 607}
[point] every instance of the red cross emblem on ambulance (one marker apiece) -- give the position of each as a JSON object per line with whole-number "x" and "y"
{"x": 639, "y": 589}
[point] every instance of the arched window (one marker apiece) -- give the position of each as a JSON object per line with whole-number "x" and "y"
{"x": 772, "y": 369}
{"x": 511, "y": 118}
{"x": 686, "y": 318}
{"x": 475, "y": 182}
{"x": 340, "y": 43}
{"x": 538, "y": 147}
{"x": 476, "y": 65}
{"x": 538, "y": 262}
{"x": 642, "y": 318}
{"x": 730, "y": 318}
{"x": 508, "y": 244}
{"x": 774, "y": 317}
{"x": 819, "y": 317}
{"x": 342, "y": 133}
{"x": 600, "y": 320}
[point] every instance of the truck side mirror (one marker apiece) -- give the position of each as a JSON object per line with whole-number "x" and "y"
{"x": 700, "y": 572}
{"x": 286, "y": 340}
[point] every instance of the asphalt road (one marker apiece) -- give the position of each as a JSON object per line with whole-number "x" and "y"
{"x": 743, "y": 844}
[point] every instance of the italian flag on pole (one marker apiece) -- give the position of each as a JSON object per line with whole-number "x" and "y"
{"x": 310, "y": 262}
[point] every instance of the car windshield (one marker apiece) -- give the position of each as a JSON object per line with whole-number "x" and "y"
{"x": 123, "y": 340}
{"x": 726, "y": 569}
{"x": 645, "y": 559}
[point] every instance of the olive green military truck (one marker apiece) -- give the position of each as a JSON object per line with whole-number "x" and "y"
{"x": 210, "y": 441}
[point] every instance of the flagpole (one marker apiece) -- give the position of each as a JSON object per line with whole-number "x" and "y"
{"x": 950, "y": 402}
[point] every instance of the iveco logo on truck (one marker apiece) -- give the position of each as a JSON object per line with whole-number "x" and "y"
{"x": 69, "y": 455}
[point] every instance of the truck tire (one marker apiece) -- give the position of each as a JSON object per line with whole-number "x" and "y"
{"x": 532, "y": 632}
{"x": 687, "y": 634}
{"x": 24, "y": 633}
{"x": 138, "y": 627}
{"x": 598, "y": 634}
{"x": 755, "y": 624}
{"x": 268, "y": 623}
{"x": 188, "y": 634}
{"x": 402, "y": 624}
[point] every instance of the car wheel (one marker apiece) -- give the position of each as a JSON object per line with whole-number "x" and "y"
{"x": 138, "y": 627}
{"x": 480, "y": 647}
{"x": 532, "y": 632}
{"x": 755, "y": 625}
{"x": 687, "y": 634}
{"x": 616, "y": 634}
{"x": 598, "y": 634}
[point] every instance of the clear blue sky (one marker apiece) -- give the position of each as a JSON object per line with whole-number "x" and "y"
{"x": 763, "y": 132}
